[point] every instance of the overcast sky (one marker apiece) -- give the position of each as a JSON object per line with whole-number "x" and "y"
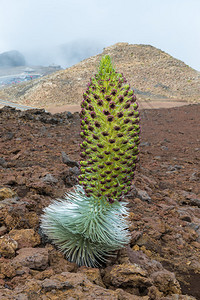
{"x": 45, "y": 30}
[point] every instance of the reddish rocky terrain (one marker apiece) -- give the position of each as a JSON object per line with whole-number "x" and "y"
{"x": 39, "y": 156}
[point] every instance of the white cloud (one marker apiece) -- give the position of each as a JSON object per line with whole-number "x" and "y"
{"x": 39, "y": 25}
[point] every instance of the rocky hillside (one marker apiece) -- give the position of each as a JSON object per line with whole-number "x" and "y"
{"x": 154, "y": 74}
{"x": 38, "y": 162}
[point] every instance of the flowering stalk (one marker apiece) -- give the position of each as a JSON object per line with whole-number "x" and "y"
{"x": 91, "y": 223}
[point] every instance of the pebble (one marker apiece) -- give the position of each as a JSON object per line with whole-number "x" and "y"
{"x": 7, "y": 193}
{"x": 145, "y": 144}
{"x": 3, "y": 230}
{"x": 66, "y": 160}
{"x": 165, "y": 148}
{"x": 143, "y": 195}
{"x": 3, "y": 163}
{"x": 49, "y": 178}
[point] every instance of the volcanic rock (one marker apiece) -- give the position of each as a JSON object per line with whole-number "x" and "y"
{"x": 8, "y": 246}
{"x": 25, "y": 237}
{"x": 6, "y": 193}
{"x": 33, "y": 258}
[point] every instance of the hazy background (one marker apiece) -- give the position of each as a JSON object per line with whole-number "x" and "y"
{"x": 67, "y": 31}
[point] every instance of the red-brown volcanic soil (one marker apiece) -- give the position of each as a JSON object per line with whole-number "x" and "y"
{"x": 143, "y": 105}
{"x": 163, "y": 258}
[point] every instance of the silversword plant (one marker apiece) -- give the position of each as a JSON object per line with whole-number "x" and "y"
{"x": 91, "y": 222}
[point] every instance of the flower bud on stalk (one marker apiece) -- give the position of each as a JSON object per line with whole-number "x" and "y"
{"x": 91, "y": 222}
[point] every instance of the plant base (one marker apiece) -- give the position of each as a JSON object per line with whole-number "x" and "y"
{"x": 86, "y": 229}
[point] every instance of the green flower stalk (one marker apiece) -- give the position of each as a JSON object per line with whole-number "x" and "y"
{"x": 91, "y": 222}
{"x": 110, "y": 129}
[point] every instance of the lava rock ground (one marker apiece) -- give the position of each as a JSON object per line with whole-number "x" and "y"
{"x": 38, "y": 162}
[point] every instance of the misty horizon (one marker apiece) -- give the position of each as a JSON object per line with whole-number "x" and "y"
{"x": 41, "y": 29}
{"x": 65, "y": 55}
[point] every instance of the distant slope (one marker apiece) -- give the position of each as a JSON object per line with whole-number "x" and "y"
{"x": 154, "y": 75}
